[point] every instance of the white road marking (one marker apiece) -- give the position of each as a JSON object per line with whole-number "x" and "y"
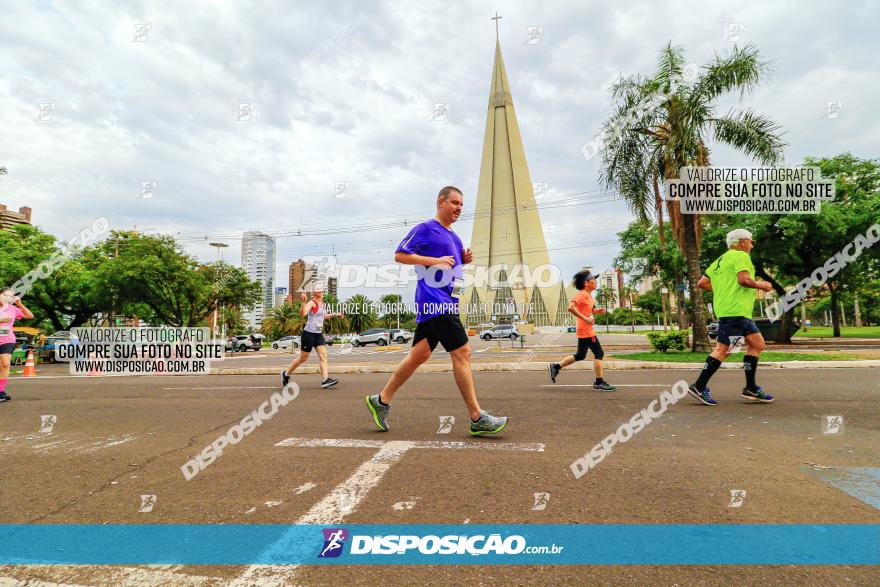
{"x": 305, "y": 487}
{"x": 38, "y": 442}
{"x": 229, "y": 387}
{"x": 346, "y": 496}
{"x": 615, "y": 385}
{"x": 340, "y": 502}
{"x": 364, "y": 443}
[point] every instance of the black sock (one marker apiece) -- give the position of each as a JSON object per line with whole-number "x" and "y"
{"x": 599, "y": 380}
{"x": 709, "y": 367}
{"x": 750, "y": 365}
{"x": 381, "y": 403}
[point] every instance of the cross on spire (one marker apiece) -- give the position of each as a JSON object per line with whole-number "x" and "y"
{"x": 496, "y": 18}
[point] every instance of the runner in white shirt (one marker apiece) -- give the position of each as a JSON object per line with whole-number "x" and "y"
{"x": 312, "y": 338}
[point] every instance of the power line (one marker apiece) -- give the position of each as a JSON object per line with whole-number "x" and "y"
{"x": 349, "y": 229}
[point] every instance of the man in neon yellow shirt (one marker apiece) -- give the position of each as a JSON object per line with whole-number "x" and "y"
{"x": 731, "y": 278}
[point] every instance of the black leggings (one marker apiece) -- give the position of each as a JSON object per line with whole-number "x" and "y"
{"x": 589, "y": 344}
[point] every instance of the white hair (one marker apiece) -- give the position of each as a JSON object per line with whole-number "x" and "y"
{"x": 734, "y": 236}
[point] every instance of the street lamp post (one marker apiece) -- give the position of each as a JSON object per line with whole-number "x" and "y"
{"x": 219, "y": 247}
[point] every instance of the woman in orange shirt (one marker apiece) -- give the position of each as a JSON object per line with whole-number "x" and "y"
{"x": 583, "y": 307}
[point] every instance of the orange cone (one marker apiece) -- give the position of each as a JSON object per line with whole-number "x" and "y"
{"x": 93, "y": 372}
{"x": 29, "y": 369}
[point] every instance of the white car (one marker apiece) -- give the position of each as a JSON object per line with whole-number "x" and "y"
{"x": 286, "y": 342}
{"x": 504, "y": 331}
{"x": 377, "y": 336}
{"x": 402, "y": 335}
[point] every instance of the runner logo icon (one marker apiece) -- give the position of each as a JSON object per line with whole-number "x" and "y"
{"x": 334, "y": 542}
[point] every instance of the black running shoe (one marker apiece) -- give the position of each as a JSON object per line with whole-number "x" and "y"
{"x": 604, "y": 386}
{"x": 702, "y": 396}
{"x": 554, "y": 370}
{"x": 4, "y": 397}
{"x": 329, "y": 382}
{"x": 285, "y": 378}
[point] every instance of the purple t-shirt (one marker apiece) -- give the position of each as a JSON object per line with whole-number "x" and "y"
{"x": 434, "y": 289}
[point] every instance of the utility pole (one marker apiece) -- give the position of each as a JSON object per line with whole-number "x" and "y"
{"x": 663, "y": 292}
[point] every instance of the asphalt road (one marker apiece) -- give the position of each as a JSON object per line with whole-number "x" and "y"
{"x": 115, "y": 439}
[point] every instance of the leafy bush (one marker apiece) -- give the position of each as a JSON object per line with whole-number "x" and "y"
{"x": 674, "y": 340}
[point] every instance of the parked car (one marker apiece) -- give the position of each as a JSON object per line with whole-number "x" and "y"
{"x": 401, "y": 335}
{"x": 378, "y": 336}
{"x": 48, "y": 350}
{"x": 242, "y": 342}
{"x": 503, "y": 331}
{"x": 286, "y": 342}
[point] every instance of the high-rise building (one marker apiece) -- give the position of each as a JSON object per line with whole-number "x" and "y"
{"x": 280, "y": 296}
{"x": 332, "y": 286}
{"x": 613, "y": 280}
{"x": 304, "y": 274}
{"x": 297, "y": 275}
{"x": 8, "y": 218}
{"x": 258, "y": 261}
{"x": 646, "y": 284}
{"x": 508, "y": 237}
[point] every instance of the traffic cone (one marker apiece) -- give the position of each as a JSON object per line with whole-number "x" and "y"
{"x": 29, "y": 369}
{"x": 93, "y": 372}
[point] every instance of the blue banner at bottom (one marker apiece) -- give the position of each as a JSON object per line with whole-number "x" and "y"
{"x": 354, "y": 544}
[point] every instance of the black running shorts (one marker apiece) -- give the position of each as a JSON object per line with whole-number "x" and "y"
{"x": 731, "y": 329}
{"x": 591, "y": 343}
{"x": 6, "y": 348}
{"x": 445, "y": 329}
{"x": 309, "y": 340}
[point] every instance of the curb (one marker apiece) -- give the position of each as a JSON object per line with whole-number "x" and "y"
{"x": 580, "y": 366}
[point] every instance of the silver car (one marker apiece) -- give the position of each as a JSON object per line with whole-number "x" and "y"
{"x": 503, "y": 331}
{"x": 378, "y": 336}
{"x": 401, "y": 335}
{"x": 285, "y": 342}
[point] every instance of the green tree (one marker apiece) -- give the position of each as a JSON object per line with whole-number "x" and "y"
{"x": 606, "y": 297}
{"x": 663, "y": 122}
{"x": 284, "y": 320}
{"x": 789, "y": 247}
{"x": 390, "y": 319}
{"x": 149, "y": 276}
{"x": 361, "y": 313}
{"x": 71, "y": 294}
{"x": 643, "y": 240}
{"x": 336, "y": 325}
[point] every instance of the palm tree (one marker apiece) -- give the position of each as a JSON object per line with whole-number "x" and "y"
{"x": 606, "y": 297}
{"x": 662, "y": 123}
{"x": 629, "y": 294}
{"x": 283, "y": 320}
{"x": 361, "y": 313}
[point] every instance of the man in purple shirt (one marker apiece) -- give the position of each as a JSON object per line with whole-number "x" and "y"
{"x": 438, "y": 255}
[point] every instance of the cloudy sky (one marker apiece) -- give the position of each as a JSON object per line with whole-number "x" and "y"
{"x": 152, "y": 92}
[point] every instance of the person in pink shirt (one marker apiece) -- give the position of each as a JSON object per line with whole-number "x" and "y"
{"x": 11, "y": 309}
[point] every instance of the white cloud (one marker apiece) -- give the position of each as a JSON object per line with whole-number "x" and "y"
{"x": 164, "y": 109}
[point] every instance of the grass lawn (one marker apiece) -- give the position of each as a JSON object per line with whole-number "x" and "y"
{"x": 689, "y": 357}
{"x": 849, "y": 332}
